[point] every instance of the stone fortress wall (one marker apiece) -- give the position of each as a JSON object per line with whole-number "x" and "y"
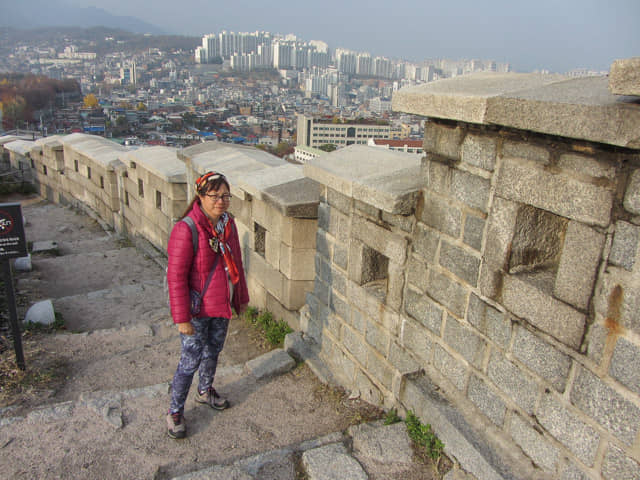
{"x": 492, "y": 287}
{"x": 142, "y": 192}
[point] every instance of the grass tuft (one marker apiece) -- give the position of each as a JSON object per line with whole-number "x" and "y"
{"x": 274, "y": 330}
{"x": 392, "y": 417}
{"x": 58, "y": 324}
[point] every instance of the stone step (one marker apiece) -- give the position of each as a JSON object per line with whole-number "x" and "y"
{"x": 147, "y": 353}
{"x": 372, "y": 450}
{"x": 92, "y": 244}
{"x": 115, "y": 358}
{"x": 48, "y": 221}
{"x": 143, "y": 301}
{"x": 124, "y": 431}
{"x": 55, "y": 277}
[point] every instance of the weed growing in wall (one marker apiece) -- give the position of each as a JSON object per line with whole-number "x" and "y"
{"x": 392, "y": 417}
{"x": 423, "y": 436}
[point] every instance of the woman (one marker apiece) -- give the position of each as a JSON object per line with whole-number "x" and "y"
{"x": 215, "y": 261}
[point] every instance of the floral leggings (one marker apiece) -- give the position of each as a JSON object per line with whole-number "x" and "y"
{"x": 199, "y": 352}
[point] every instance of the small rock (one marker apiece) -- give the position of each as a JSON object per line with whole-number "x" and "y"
{"x": 23, "y": 264}
{"x": 41, "y": 312}
{"x": 109, "y": 408}
{"x": 46, "y": 246}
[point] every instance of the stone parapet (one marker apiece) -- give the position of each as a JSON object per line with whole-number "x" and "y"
{"x": 19, "y": 147}
{"x": 141, "y": 193}
{"x": 99, "y": 150}
{"x": 624, "y": 77}
{"x": 90, "y": 165}
{"x": 234, "y": 161}
{"x": 153, "y": 193}
{"x": 582, "y": 108}
{"x": 285, "y": 188}
{"x": 386, "y": 180}
{"x": 47, "y": 160}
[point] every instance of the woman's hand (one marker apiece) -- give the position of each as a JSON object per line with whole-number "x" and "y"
{"x": 186, "y": 328}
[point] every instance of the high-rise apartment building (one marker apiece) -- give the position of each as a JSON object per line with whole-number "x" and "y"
{"x": 128, "y": 74}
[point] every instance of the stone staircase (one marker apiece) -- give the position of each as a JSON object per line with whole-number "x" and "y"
{"x": 118, "y": 355}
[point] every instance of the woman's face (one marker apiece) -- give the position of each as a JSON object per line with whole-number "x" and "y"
{"x": 215, "y": 202}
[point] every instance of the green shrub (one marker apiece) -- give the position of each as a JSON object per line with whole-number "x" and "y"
{"x": 251, "y": 313}
{"x": 274, "y": 330}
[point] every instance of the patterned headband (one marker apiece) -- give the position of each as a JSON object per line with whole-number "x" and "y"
{"x": 206, "y": 178}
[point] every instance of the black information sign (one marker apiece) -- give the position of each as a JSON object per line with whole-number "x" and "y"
{"x": 12, "y": 240}
{"x": 12, "y": 244}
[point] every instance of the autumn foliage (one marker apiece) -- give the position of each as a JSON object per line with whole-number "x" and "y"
{"x": 21, "y": 95}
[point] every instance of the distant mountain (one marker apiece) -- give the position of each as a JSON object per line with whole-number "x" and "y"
{"x": 58, "y": 13}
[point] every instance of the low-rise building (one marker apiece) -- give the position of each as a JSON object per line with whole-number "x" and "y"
{"x": 303, "y": 154}
{"x": 407, "y": 145}
{"x": 313, "y": 132}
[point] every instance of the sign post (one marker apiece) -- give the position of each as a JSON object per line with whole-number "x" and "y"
{"x": 12, "y": 244}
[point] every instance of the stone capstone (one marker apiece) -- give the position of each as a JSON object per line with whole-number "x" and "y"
{"x": 624, "y": 77}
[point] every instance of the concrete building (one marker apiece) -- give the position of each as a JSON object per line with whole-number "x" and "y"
{"x": 128, "y": 74}
{"x": 315, "y": 132}
{"x": 303, "y": 154}
{"x": 407, "y": 146}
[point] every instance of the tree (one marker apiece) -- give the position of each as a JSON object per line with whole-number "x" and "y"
{"x": 141, "y": 107}
{"x": 282, "y": 149}
{"x": 189, "y": 118}
{"x": 14, "y": 112}
{"x": 327, "y": 147}
{"x": 90, "y": 101}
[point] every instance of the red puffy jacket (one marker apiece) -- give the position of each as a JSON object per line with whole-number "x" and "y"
{"x": 185, "y": 273}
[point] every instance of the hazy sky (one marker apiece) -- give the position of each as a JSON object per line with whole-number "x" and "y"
{"x": 532, "y": 34}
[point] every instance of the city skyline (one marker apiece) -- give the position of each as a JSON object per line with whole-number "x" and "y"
{"x": 543, "y": 35}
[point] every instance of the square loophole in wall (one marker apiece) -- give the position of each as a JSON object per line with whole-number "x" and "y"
{"x": 537, "y": 245}
{"x": 259, "y": 234}
{"x": 375, "y": 272}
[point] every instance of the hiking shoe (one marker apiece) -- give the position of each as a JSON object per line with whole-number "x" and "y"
{"x": 177, "y": 428}
{"x": 211, "y": 398}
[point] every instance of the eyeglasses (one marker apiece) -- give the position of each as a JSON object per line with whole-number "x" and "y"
{"x": 225, "y": 197}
